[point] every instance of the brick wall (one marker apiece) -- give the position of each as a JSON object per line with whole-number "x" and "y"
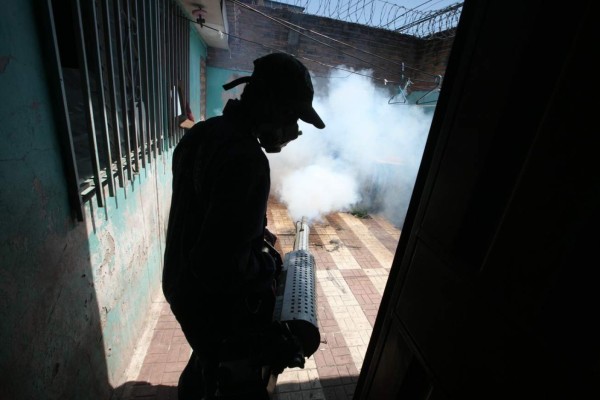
{"x": 382, "y": 51}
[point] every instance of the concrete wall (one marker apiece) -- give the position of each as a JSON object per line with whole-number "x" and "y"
{"x": 74, "y": 294}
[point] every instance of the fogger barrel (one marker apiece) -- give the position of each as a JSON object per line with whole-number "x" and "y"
{"x": 297, "y": 293}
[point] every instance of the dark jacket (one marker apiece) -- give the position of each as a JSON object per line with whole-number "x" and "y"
{"x": 221, "y": 183}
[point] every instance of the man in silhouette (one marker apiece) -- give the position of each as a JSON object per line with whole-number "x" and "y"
{"x": 217, "y": 277}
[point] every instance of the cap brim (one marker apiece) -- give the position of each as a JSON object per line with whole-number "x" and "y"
{"x": 308, "y": 114}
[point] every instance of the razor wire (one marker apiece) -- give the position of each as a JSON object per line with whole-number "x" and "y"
{"x": 428, "y": 24}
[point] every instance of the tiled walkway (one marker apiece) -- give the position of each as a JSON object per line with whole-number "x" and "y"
{"x": 353, "y": 258}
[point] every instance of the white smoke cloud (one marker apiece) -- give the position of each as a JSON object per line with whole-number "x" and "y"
{"x": 367, "y": 156}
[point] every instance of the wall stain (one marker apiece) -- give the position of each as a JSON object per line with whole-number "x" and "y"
{"x": 108, "y": 242}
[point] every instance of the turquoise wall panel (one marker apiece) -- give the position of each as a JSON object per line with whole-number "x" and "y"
{"x": 216, "y": 96}
{"x": 197, "y": 53}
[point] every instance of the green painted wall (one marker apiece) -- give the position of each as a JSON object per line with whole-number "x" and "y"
{"x": 216, "y": 97}
{"x": 197, "y": 52}
{"x": 74, "y": 294}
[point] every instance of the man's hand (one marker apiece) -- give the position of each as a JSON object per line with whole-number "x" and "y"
{"x": 270, "y": 237}
{"x": 272, "y": 251}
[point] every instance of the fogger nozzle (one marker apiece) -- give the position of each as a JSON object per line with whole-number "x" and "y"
{"x": 302, "y": 232}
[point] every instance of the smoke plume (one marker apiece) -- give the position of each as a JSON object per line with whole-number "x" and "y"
{"x": 365, "y": 160}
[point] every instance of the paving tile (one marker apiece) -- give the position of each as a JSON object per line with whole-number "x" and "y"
{"x": 173, "y": 354}
{"x": 369, "y": 241}
{"x": 353, "y": 257}
{"x": 175, "y": 366}
{"x": 170, "y": 377}
{"x": 390, "y": 241}
{"x": 152, "y": 358}
{"x": 151, "y": 373}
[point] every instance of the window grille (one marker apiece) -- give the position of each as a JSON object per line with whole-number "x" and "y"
{"x": 120, "y": 71}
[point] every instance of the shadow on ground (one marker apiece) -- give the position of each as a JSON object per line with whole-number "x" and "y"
{"x": 144, "y": 390}
{"x": 319, "y": 389}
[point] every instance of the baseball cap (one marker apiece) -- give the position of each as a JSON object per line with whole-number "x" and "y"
{"x": 289, "y": 79}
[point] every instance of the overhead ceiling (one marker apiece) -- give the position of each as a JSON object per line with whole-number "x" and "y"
{"x": 213, "y": 28}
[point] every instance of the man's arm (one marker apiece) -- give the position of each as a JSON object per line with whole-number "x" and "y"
{"x": 227, "y": 255}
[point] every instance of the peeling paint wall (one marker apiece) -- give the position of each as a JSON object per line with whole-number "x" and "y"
{"x": 126, "y": 261}
{"x": 74, "y": 294}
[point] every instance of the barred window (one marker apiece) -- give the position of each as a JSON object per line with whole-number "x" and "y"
{"x": 120, "y": 74}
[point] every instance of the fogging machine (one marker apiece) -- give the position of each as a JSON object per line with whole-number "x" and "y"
{"x": 293, "y": 336}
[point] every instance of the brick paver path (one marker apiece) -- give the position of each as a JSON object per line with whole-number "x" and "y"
{"x": 353, "y": 257}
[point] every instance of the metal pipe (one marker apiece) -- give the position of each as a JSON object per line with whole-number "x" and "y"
{"x": 302, "y": 232}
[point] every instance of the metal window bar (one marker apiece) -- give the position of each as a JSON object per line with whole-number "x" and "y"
{"x": 176, "y": 76}
{"x": 177, "y": 80}
{"x": 160, "y": 75}
{"x": 144, "y": 10}
{"x": 87, "y": 95}
{"x": 167, "y": 73}
{"x": 160, "y": 41}
{"x": 186, "y": 63}
{"x": 166, "y": 84}
{"x": 171, "y": 71}
{"x": 163, "y": 75}
{"x": 153, "y": 77}
{"x": 165, "y": 81}
{"x": 133, "y": 92}
{"x": 133, "y": 58}
{"x": 61, "y": 110}
{"x": 167, "y": 98}
{"x": 184, "y": 60}
{"x": 178, "y": 92}
{"x": 135, "y": 83}
{"x": 102, "y": 106}
{"x": 179, "y": 63}
{"x": 116, "y": 129}
{"x": 143, "y": 67}
{"x": 147, "y": 71}
{"x": 184, "y": 91}
{"x": 173, "y": 76}
{"x": 139, "y": 93}
{"x": 121, "y": 61}
{"x": 155, "y": 74}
